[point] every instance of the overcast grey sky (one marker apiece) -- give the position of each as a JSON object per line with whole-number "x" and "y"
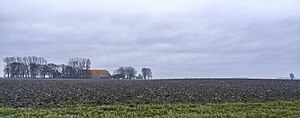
{"x": 176, "y": 38}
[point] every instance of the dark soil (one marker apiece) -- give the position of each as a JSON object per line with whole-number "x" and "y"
{"x": 41, "y": 93}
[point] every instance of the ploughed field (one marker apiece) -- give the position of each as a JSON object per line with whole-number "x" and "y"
{"x": 42, "y": 93}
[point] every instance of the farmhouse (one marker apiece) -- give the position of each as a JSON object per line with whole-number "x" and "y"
{"x": 100, "y": 74}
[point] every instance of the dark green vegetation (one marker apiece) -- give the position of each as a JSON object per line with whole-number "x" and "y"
{"x": 237, "y": 110}
{"x": 58, "y": 93}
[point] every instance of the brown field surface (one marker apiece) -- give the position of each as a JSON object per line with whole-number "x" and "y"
{"x": 40, "y": 93}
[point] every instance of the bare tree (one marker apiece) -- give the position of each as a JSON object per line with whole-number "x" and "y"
{"x": 26, "y": 66}
{"x": 6, "y": 71}
{"x": 292, "y": 75}
{"x": 147, "y": 73}
{"x": 81, "y": 67}
{"x": 15, "y": 69}
{"x": 7, "y": 61}
{"x": 67, "y": 71}
{"x": 51, "y": 69}
{"x": 43, "y": 70}
{"x": 125, "y": 73}
{"x": 87, "y": 73}
{"x": 119, "y": 73}
{"x": 34, "y": 68}
{"x": 13, "y": 66}
{"x": 130, "y": 72}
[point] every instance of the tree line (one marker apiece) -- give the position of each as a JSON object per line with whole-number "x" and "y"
{"x": 33, "y": 67}
{"x": 38, "y": 67}
{"x": 131, "y": 73}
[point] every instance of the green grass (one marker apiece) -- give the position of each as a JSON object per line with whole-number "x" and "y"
{"x": 229, "y": 110}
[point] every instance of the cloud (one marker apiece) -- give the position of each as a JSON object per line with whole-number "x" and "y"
{"x": 176, "y": 39}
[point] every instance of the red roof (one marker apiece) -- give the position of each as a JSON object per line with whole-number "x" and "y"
{"x": 102, "y": 74}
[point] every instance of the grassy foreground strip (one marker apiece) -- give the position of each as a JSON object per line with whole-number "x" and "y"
{"x": 240, "y": 110}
